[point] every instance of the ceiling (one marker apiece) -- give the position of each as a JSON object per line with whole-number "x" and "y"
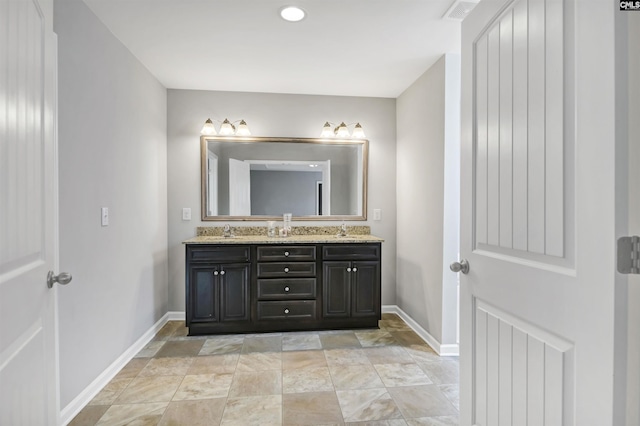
{"x": 343, "y": 47}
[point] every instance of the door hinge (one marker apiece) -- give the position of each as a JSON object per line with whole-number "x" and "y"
{"x": 629, "y": 255}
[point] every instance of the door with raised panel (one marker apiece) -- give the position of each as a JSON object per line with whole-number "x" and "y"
{"x": 234, "y": 292}
{"x": 538, "y": 213}
{"x": 28, "y": 214}
{"x": 365, "y": 296}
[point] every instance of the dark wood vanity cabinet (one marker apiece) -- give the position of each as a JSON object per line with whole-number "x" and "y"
{"x": 233, "y": 288}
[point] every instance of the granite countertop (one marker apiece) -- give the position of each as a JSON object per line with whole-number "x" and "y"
{"x": 293, "y": 239}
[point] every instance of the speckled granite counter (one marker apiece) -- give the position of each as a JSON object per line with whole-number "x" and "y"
{"x": 216, "y": 231}
{"x": 294, "y": 239}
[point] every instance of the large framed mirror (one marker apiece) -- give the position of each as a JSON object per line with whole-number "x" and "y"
{"x": 260, "y": 178}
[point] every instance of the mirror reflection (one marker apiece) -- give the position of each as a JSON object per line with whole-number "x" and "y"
{"x": 314, "y": 179}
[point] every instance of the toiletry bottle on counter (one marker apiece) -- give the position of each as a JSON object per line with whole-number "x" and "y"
{"x": 286, "y": 219}
{"x": 271, "y": 229}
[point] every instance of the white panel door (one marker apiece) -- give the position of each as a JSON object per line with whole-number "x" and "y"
{"x": 239, "y": 188}
{"x": 538, "y": 213}
{"x": 27, "y": 213}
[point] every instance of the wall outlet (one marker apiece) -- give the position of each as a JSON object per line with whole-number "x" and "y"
{"x": 104, "y": 216}
{"x": 186, "y": 213}
{"x": 377, "y": 214}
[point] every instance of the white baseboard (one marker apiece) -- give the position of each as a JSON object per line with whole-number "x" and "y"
{"x": 79, "y": 402}
{"x": 176, "y": 316}
{"x": 442, "y": 350}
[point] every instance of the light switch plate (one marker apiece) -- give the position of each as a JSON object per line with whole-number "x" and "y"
{"x": 186, "y": 213}
{"x": 377, "y": 214}
{"x": 104, "y": 216}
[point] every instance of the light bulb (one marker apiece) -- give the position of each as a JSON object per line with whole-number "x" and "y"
{"x": 292, "y": 14}
{"x": 208, "y": 128}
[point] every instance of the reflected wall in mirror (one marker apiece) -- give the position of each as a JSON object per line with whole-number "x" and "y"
{"x": 256, "y": 178}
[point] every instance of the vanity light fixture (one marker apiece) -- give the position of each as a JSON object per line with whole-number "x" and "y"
{"x": 292, "y": 13}
{"x": 227, "y": 128}
{"x": 342, "y": 131}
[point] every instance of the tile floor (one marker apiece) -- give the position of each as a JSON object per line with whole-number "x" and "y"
{"x": 374, "y": 377}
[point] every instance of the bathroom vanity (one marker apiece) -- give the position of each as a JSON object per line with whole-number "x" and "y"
{"x": 304, "y": 282}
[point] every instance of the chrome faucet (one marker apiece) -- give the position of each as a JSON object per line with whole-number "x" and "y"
{"x": 343, "y": 230}
{"x": 226, "y": 232}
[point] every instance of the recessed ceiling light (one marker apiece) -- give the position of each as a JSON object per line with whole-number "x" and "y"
{"x": 292, "y": 13}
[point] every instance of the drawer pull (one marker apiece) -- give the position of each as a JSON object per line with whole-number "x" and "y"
{"x": 355, "y": 269}
{"x": 348, "y": 269}
{"x": 286, "y": 269}
{"x": 286, "y": 311}
{"x": 286, "y": 289}
{"x": 221, "y": 272}
{"x": 215, "y": 272}
{"x": 286, "y": 253}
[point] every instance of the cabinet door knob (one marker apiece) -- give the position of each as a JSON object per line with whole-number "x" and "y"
{"x": 355, "y": 269}
{"x": 222, "y": 272}
{"x": 286, "y": 269}
{"x": 286, "y": 311}
{"x": 348, "y": 269}
{"x": 286, "y": 253}
{"x": 215, "y": 272}
{"x": 286, "y": 289}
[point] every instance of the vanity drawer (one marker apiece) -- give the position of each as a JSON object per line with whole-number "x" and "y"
{"x": 280, "y": 253}
{"x": 287, "y": 288}
{"x": 285, "y": 270}
{"x": 282, "y": 310}
{"x": 351, "y": 252}
{"x": 217, "y": 254}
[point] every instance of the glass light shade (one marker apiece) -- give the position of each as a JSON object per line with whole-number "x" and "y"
{"x": 342, "y": 131}
{"x": 243, "y": 129}
{"x": 226, "y": 129}
{"x": 208, "y": 128}
{"x": 358, "y": 132}
{"x": 327, "y": 131}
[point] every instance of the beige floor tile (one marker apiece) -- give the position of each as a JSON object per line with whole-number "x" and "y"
{"x": 307, "y": 380}
{"x": 214, "y": 364}
{"x": 203, "y": 412}
{"x": 110, "y": 392}
{"x": 222, "y": 345}
{"x": 388, "y": 355}
{"x": 150, "y": 389}
{"x": 260, "y": 361}
{"x": 256, "y": 383}
{"x": 443, "y": 372}
{"x": 391, "y": 422}
{"x": 407, "y": 338}
{"x": 263, "y": 410}
{"x": 452, "y": 392}
{"x": 339, "y": 341}
{"x": 262, "y": 344}
{"x": 367, "y": 405}
{"x": 204, "y": 386}
{"x": 346, "y": 357}
{"x": 167, "y": 330}
{"x": 134, "y": 414}
{"x": 375, "y": 338}
{"x": 180, "y": 348}
{"x": 151, "y": 349}
{"x": 394, "y": 325}
{"x": 422, "y": 401}
{"x": 313, "y": 408}
{"x": 355, "y": 377}
{"x": 422, "y": 353}
{"x": 394, "y": 375}
{"x": 133, "y": 368}
{"x": 303, "y": 359}
{"x": 301, "y": 342}
{"x": 166, "y": 367}
{"x": 435, "y": 421}
{"x": 89, "y": 416}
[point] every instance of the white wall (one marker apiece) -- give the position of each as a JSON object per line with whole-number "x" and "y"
{"x": 633, "y": 353}
{"x": 112, "y": 148}
{"x": 428, "y": 120}
{"x": 276, "y": 115}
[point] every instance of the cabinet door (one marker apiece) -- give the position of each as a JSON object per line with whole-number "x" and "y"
{"x": 335, "y": 289}
{"x": 365, "y": 289}
{"x": 203, "y": 297}
{"x": 234, "y": 292}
